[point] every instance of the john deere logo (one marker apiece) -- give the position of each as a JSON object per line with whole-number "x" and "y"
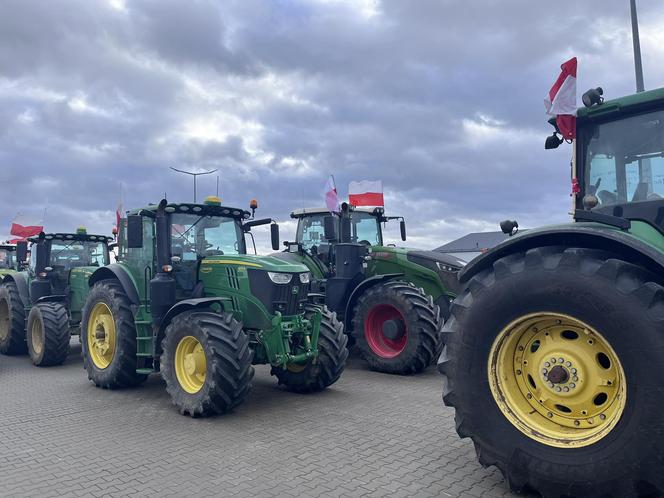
{"x": 295, "y": 290}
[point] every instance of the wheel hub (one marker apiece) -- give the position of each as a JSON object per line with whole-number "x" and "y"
{"x": 393, "y": 329}
{"x": 190, "y": 364}
{"x": 557, "y": 380}
{"x": 101, "y": 335}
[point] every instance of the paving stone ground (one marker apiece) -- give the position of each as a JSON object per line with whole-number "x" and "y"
{"x": 370, "y": 434}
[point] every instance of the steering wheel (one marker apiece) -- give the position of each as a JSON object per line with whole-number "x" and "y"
{"x": 214, "y": 252}
{"x": 365, "y": 242}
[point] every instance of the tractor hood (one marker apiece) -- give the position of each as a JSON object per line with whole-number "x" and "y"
{"x": 265, "y": 263}
{"x": 416, "y": 255}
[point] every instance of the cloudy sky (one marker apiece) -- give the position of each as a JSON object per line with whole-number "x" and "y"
{"x": 442, "y": 100}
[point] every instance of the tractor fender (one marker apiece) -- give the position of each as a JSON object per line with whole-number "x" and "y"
{"x": 619, "y": 242}
{"x": 55, "y": 298}
{"x": 117, "y": 272}
{"x": 21, "y": 281}
{"x": 360, "y": 289}
{"x": 181, "y": 307}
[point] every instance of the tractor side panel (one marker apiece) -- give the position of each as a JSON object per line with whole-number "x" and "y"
{"x": 78, "y": 291}
{"x": 390, "y": 262}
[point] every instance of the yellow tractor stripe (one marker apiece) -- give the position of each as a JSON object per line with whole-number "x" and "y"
{"x": 229, "y": 262}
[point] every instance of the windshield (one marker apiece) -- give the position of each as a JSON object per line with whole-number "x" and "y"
{"x": 311, "y": 231}
{"x": 194, "y": 237}
{"x": 625, "y": 160}
{"x": 65, "y": 255}
{"x": 365, "y": 228}
{"x": 7, "y": 259}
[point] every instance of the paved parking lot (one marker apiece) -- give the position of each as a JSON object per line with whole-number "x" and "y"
{"x": 371, "y": 434}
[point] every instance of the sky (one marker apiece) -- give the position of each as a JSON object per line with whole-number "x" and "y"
{"x": 441, "y": 100}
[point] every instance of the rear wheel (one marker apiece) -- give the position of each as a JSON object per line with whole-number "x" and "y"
{"x": 561, "y": 386}
{"x": 397, "y": 328}
{"x": 108, "y": 337}
{"x": 206, "y": 363}
{"x": 12, "y": 321}
{"x": 48, "y": 334}
{"x": 326, "y": 368}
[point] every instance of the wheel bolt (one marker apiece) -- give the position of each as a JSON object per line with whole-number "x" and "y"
{"x": 520, "y": 348}
{"x": 558, "y": 389}
{"x": 518, "y": 372}
{"x": 561, "y": 360}
{"x": 569, "y": 363}
{"x": 566, "y": 389}
{"x": 574, "y": 370}
{"x": 547, "y": 364}
{"x": 529, "y": 396}
{"x": 544, "y": 371}
{"x": 553, "y": 360}
{"x": 575, "y": 379}
{"x": 550, "y": 384}
{"x": 549, "y": 414}
{"x": 572, "y": 385}
{"x": 602, "y": 416}
{"x": 576, "y": 422}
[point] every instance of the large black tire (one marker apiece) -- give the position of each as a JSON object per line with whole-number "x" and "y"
{"x": 414, "y": 344}
{"x": 228, "y": 369}
{"x": 324, "y": 370}
{"x": 121, "y": 371}
{"x": 48, "y": 334}
{"x": 12, "y": 321}
{"x": 621, "y": 301}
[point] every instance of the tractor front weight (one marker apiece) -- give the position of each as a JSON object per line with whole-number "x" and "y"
{"x": 292, "y": 339}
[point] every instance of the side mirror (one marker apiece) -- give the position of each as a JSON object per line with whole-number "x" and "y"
{"x": 134, "y": 231}
{"x": 22, "y": 251}
{"x": 509, "y": 227}
{"x": 274, "y": 235}
{"x": 329, "y": 228}
{"x": 402, "y": 227}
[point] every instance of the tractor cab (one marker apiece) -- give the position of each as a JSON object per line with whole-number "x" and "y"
{"x": 8, "y": 259}
{"x": 620, "y": 160}
{"x": 54, "y": 256}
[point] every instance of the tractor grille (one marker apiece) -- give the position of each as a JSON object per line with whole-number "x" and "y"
{"x": 446, "y": 267}
{"x": 288, "y": 299}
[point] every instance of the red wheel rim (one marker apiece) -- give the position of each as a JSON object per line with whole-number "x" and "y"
{"x": 374, "y": 333}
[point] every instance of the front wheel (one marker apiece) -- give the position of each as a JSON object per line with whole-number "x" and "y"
{"x": 397, "y": 328}
{"x": 48, "y": 334}
{"x": 206, "y": 363}
{"x": 326, "y": 368}
{"x": 553, "y": 364}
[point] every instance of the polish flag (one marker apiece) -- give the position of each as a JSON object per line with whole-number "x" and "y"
{"x": 24, "y": 226}
{"x": 331, "y": 195}
{"x": 561, "y": 100}
{"x": 366, "y": 193}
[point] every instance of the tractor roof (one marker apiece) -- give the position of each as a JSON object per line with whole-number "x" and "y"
{"x": 8, "y": 247}
{"x": 629, "y": 102}
{"x": 198, "y": 209}
{"x": 300, "y": 213}
{"x": 81, "y": 237}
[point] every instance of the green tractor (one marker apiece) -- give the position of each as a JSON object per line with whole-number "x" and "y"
{"x": 553, "y": 357}
{"x": 8, "y": 261}
{"x": 186, "y": 300}
{"x": 40, "y": 307}
{"x": 392, "y": 300}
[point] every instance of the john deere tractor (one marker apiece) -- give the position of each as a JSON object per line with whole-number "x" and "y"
{"x": 553, "y": 357}
{"x": 186, "y": 300}
{"x": 393, "y": 300}
{"x": 8, "y": 261}
{"x": 40, "y": 307}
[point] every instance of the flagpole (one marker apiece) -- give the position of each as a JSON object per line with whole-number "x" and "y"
{"x": 638, "y": 66}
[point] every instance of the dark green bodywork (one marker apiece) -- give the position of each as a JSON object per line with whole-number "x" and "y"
{"x": 277, "y": 339}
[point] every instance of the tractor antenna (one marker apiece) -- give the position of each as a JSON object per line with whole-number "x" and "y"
{"x": 638, "y": 67}
{"x": 217, "y": 185}
{"x": 194, "y": 175}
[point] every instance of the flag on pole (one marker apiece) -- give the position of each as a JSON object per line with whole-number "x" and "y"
{"x": 331, "y": 195}
{"x": 561, "y": 99}
{"x": 366, "y": 193}
{"x": 118, "y": 215}
{"x": 24, "y": 226}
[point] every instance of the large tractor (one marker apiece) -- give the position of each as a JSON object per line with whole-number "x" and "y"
{"x": 186, "y": 300}
{"x": 40, "y": 307}
{"x": 553, "y": 357}
{"x": 392, "y": 300}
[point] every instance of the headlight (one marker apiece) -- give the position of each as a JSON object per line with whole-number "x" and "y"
{"x": 305, "y": 277}
{"x": 280, "y": 278}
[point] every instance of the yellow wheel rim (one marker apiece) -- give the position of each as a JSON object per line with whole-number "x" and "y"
{"x": 190, "y": 364}
{"x": 101, "y": 336}
{"x": 37, "y": 337}
{"x": 296, "y": 367}
{"x": 557, "y": 380}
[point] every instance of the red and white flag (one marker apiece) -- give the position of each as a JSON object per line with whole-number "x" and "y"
{"x": 366, "y": 193}
{"x": 331, "y": 195}
{"x": 24, "y": 226}
{"x": 561, "y": 100}
{"x": 118, "y": 215}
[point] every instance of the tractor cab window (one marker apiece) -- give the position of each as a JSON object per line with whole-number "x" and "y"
{"x": 7, "y": 259}
{"x": 365, "y": 228}
{"x": 624, "y": 159}
{"x": 195, "y": 237}
{"x": 65, "y": 255}
{"x": 311, "y": 231}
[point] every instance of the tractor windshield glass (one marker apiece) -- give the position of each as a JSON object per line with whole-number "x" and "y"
{"x": 65, "y": 255}
{"x": 624, "y": 160}
{"x": 7, "y": 259}
{"x": 311, "y": 231}
{"x": 194, "y": 237}
{"x": 365, "y": 228}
